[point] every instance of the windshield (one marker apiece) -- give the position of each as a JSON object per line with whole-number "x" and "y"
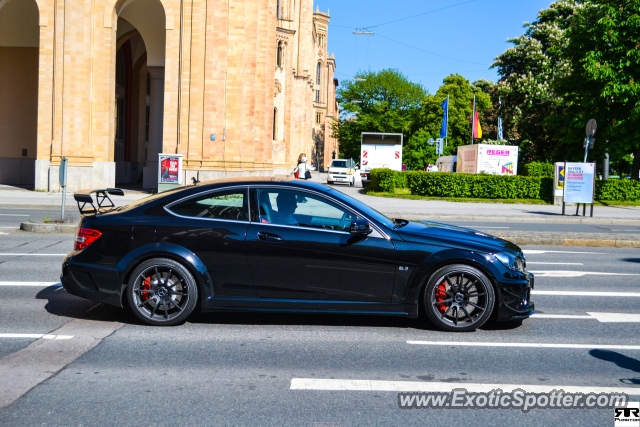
{"x": 366, "y": 209}
{"x": 339, "y": 164}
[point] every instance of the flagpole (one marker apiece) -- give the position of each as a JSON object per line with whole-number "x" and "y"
{"x": 473, "y": 119}
{"x": 446, "y": 134}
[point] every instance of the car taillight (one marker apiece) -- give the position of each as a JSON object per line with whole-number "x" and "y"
{"x": 85, "y": 237}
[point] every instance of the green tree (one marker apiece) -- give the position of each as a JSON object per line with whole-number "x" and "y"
{"x": 388, "y": 102}
{"x": 529, "y": 70}
{"x": 603, "y": 52}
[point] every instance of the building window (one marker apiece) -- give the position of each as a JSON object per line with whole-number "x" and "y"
{"x": 275, "y": 123}
{"x": 318, "y": 118}
{"x": 317, "y": 95}
{"x": 321, "y": 40}
{"x": 318, "y": 73}
{"x": 278, "y": 10}
{"x": 279, "y": 55}
{"x": 148, "y": 84}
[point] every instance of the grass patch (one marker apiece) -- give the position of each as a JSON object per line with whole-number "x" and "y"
{"x": 405, "y": 193}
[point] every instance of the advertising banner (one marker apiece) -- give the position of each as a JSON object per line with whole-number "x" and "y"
{"x": 170, "y": 168}
{"x": 499, "y": 160}
{"x": 579, "y": 182}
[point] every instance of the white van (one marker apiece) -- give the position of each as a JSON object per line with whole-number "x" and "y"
{"x": 342, "y": 171}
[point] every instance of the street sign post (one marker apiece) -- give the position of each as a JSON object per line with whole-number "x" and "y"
{"x": 589, "y": 141}
{"x": 63, "y": 183}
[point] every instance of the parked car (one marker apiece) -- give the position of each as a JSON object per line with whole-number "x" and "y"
{"x": 342, "y": 171}
{"x": 286, "y": 245}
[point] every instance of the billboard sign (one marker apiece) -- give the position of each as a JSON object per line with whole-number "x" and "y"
{"x": 170, "y": 169}
{"x": 579, "y": 182}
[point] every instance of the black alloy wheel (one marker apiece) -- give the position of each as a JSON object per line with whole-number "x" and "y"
{"x": 162, "y": 292}
{"x": 458, "y": 298}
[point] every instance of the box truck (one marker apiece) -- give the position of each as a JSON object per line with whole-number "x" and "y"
{"x": 379, "y": 150}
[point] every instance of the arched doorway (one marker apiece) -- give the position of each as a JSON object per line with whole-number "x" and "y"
{"x": 19, "y": 55}
{"x": 139, "y": 91}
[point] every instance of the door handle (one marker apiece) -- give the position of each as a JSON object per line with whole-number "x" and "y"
{"x": 268, "y": 237}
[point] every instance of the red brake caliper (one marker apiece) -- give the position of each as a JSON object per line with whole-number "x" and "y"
{"x": 441, "y": 296}
{"x": 145, "y": 287}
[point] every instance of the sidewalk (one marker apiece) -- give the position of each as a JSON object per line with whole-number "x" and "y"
{"x": 434, "y": 210}
{"x": 438, "y": 210}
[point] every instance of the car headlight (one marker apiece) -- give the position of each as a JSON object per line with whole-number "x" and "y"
{"x": 514, "y": 263}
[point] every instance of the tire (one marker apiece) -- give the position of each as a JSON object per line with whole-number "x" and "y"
{"x": 162, "y": 292}
{"x": 458, "y": 298}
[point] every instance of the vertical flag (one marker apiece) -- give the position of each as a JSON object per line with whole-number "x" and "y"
{"x": 444, "y": 130}
{"x": 500, "y": 137}
{"x": 476, "y": 130}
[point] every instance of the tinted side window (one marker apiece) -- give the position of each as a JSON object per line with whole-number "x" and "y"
{"x": 296, "y": 208}
{"x": 231, "y": 204}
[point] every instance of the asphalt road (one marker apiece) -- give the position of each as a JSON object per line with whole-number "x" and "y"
{"x": 238, "y": 369}
{"x": 10, "y": 218}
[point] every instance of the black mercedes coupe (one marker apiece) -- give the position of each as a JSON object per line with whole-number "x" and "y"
{"x": 287, "y": 245}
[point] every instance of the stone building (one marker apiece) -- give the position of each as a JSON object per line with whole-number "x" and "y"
{"x": 238, "y": 87}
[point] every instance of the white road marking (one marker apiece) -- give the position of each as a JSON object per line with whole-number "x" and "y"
{"x": 560, "y": 316}
{"x": 525, "y": 344}
{"x": 587, "y": 294}
{"x": 538, "y": 252}
{"x": 616, "y": 317}
{"x": 36, "y": 284}
{"x": 6, "y": 254}
{"x": 554, "y": 263}
{"x": 444, "y": 387}
{"x": 569, "y": 273}
{"x": 38, "y": 336}
{"x": 12, "y": 215}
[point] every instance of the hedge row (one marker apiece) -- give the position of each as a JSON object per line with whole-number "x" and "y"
{"x": 387, "y": 180}
{"x": 618, "y": 190}
{"x": 480, "y": 186}
{"x": 538, "y": 169}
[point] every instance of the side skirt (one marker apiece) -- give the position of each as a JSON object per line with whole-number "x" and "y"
{"x": 309, "y": 306}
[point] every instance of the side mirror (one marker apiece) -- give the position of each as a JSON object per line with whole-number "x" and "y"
{"x": 360, "y": 227}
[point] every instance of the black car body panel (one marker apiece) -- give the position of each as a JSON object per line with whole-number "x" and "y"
{"x": 248, "y": 265}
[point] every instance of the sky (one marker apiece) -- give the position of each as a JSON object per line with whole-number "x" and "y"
{"x": 464, "y": 36}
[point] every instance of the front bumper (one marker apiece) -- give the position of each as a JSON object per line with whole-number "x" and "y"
{"x": 514, "y": 298}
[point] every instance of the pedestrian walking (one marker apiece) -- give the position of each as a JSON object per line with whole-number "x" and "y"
{"x": 303, "y": 171}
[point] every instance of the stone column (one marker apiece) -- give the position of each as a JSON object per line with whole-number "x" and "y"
{"x": 156, "y": 109}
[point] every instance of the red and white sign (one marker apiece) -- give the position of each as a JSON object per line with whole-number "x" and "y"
{"x": 365, "y": 162}
{"x": 397, "y": 154}
{"x": 364, "y": 154}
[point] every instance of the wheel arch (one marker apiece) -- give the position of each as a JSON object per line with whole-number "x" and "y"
{"x": 439, "y": 260}
{"x": 170, "y": 251}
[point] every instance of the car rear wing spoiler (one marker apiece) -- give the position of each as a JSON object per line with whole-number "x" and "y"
{"x": 83, "y": 197}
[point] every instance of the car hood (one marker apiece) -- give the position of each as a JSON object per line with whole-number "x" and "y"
{"x": 439, "y": 234}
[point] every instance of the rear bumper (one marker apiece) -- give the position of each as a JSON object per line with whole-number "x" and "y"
{"x": 514, "y": 298}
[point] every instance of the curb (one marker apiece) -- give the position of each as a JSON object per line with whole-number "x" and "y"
{"x": 594, "y": 243}
{"x": 480, "y": 218}
{"x": 36, "y": 227}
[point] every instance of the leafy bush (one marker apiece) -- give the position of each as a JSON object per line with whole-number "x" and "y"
{"x": 386, "y": 180}
{"x": 480, "y": 186}
{"x": 618, "y": 189}
{"x": 538, "y": 169}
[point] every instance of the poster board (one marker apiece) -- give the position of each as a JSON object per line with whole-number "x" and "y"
{"x": 579, "y": 182}
{"x": 498, "y": 159}
{"x": 169, "y": 171}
